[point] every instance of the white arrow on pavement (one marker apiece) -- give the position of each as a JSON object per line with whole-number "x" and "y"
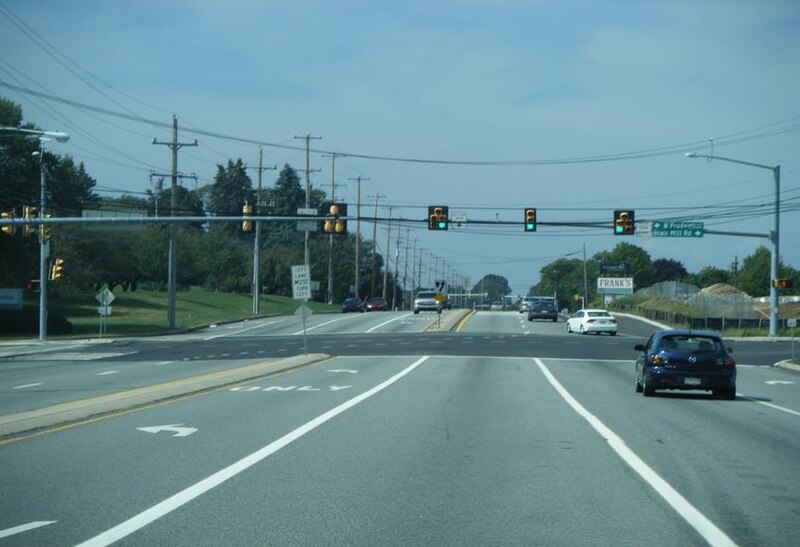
{"x": 774, "y": 382}
{"x": 179, "y": 431}
{"x": 343, "y": 370}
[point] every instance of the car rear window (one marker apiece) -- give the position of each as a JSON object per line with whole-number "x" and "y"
{"x": 599, "y": 314}
{"x": 692, "y": 344}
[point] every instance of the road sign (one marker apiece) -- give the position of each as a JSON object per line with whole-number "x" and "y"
{"x": 301, "y": 282}
{"x": 458, "y": 221}
{"x": 662, "y": 228}
{"x": 105, "y": 311}
{"x": 104, "y": 297}
{"x": 791, "y": 323}
{"x": 306, "y": 225}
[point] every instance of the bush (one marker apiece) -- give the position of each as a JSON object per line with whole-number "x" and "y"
{"x": 26, "y": 321}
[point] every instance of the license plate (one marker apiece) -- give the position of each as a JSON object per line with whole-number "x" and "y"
{"x": 692, "y": 381}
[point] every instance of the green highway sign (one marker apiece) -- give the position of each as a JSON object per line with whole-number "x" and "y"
{"x": 676, "y": 229}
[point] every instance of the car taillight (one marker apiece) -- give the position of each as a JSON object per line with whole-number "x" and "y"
{"x": 612, "y": 320}
{"x": 726, "y": 362}
{"x": 590, "y": 321}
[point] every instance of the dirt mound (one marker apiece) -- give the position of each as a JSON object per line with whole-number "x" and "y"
{"x": 723, "y": 289}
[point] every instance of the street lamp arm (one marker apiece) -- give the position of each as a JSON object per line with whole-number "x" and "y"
{"x": 60, "y": 136}
{"x": 710, "y": 157}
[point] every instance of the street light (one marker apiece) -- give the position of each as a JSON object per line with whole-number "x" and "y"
{"x": 774, "y": 235}
{"x": 44, "y": 244}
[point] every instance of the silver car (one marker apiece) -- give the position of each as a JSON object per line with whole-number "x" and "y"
{"x": 425, "y": 301}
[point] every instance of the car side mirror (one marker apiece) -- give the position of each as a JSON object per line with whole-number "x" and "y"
{"x": 639, "y": 347}
{"x": 730, "y": 350}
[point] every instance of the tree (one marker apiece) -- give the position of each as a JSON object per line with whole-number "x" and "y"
{"x": 564, "y": 279}
{"x": 667, "y": 269}
{"x": 232, "y": 188}
{"x": 635, "y": 258}
{"x": 711, "y": 275}
{"x": 496, "y": 285}
{"x": 754, "y": 279}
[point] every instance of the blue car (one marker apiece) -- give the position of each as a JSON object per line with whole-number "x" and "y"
{"x": 686, "y": 360}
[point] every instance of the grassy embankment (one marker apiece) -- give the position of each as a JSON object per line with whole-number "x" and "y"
{"x": 145, "y": 312}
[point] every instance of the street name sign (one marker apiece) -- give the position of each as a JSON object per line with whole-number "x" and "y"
{"x": 663, "y": 228}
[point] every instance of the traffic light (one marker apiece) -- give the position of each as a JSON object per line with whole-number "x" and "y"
{"x": 334, "y": 224}
{"x": 247, "y": 225}
{"x": 57, "y": 271}
{"x": 28, "y": 213}
{"x": 624, "y": 223}
{"x": 782, "y": 283}
{"x": 11, "y": 229}
{"x": 530, "y": 219}
{"x": 437, "y": 217}
{"x": 44, "y": 230}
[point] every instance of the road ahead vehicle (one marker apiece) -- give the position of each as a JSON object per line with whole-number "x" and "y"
{"x": 543, "y": 310}
{"x": 686, "y": 359}
{"x": 425, "y": 301}
{"x": 352, "y": 304}
{"x": 597, "y": 321}
{"x": 525, "y": 304}
{"x": 376, "y": 303}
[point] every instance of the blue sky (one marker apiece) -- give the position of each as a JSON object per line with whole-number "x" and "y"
{"x": 464, "y": 80}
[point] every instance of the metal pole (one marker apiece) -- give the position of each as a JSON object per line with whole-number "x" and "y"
{"x": 358, "y": 180}
{"x": 44, "y": 247}
{"x": 585, "y": 280}
{"x": 257, "y": 243}
{"x": 388, "y": 254}
{"x": 775, "y": 259}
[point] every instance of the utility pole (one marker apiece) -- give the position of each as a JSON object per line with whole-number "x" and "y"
{"x": 358, "y": 180}
{"x": 330, "y": 236}
{"x": 308, "y": 139}
{"x": 173, "y": 251}
{"x": 396, "y": 266}
{"x": 405, "y": 266}
{"x": 256, "y": 284}
{"x": 388, "y": 254}
{"x": 375, "y": 244}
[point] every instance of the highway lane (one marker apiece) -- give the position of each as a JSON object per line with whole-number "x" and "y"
{"x": 44, "y": 379}
{"x": 459, "y": 450}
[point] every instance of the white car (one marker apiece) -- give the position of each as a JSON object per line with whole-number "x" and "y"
{"x": 586, "y": 321}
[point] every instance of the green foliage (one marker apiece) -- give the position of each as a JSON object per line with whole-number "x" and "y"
{"x": 667, "y": 269}
{"x": 232, "y": 188}
{"x": 754, "y": 279}
{"x": 637, "y": 260}
{"x": 564, "y": 279}
{"x": 711, "y": 275}
{"x": 496, "y": 285}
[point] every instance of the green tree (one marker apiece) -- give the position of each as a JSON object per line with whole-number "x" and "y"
{"x": 232, "y": 188}
{"x": 635, "y": 258}
{"x": 711, "y": 275}
{"x": 754, "y": 278}
{"x": 495, "y": 285}
{"x": 564, "y": 279}
{"x": 667, "y": 269}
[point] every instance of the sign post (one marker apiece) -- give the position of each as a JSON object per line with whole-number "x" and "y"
{"x": 104, "y": 298}
{"x": 301, "y": 290}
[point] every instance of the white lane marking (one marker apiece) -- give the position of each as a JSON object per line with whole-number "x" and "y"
{"x": 172, "y": 428}
{"x": 240, "y": 330}
{"x": 162, "y": 363}
{"x": 25, "y": 527}
{"x": 320, "y": 325}
{"x": 386, "y": 323}
{"x": 770, "y": 405}
{"x": 106, "y": 373}
{"x": 707, "y": 529}
{"x": 198, "y": 489}
{"x": 28, "y": 385}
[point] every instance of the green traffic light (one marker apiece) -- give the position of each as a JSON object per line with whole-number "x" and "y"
{"x": 442, "y": 225}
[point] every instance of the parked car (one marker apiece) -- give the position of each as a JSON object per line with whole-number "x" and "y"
{"x": 425, "y": 301}
{"x": 376, "y": 303}
{"x": 598, "y": 321}
{"x": 352, "y": 304}
{"x": 686, "y": 359}
{"x": 543, "y": 310}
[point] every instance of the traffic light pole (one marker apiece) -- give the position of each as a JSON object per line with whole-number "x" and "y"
{"x": 44, "y": 247}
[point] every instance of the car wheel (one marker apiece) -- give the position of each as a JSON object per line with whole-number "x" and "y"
{"x": 730, "y": 394}
{"x": 416, "y": 312}
{"x": 569, "y": 330}
{"x": 581, "y": 330}
{"x": 555, "y": 320}
{"x": 639, "y": 387}
{"x": 648, "y": 390}
{"x": 612, "y": 333}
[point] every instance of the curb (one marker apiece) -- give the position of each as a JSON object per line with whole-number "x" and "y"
{"x": 787, "y": 365}
{"x": 75, "y": 411}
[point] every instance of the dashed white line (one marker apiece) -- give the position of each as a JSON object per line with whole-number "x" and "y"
{"x": 162, "y": 363}
{"x": 25, "y": 527}
{"x": 106, "y": 373}
{"x": 28, "y": 385}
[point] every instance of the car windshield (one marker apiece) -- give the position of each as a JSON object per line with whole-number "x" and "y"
{"x": 426, "y": 295}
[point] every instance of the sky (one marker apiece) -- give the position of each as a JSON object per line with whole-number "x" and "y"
{"x": 576, "y": 108}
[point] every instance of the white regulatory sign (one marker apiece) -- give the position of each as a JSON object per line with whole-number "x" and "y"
{"x": 301, "y": 283}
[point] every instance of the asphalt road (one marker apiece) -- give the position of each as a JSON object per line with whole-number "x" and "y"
{"x": 508, "y": 432}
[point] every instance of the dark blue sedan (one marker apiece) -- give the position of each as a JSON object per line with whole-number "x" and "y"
{"x": 686, "y": 359}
